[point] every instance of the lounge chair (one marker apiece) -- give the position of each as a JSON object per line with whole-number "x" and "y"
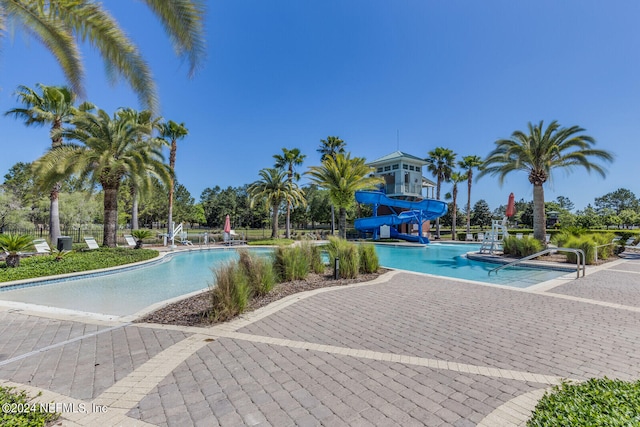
{"x": 183, "y": 239}
{"x": 469, "y": 237}
{"x": 42, "y": 247}
{"x": 519, "y": 235}
{"x": 480, "y": 237}
{"x": 131, "y": 242}
{"x": 91, "y": 243}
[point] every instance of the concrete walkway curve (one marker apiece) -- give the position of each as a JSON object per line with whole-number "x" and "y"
{"x": 405, "y": 349}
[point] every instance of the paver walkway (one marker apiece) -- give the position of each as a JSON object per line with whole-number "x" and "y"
{"x": 406, "y": 349}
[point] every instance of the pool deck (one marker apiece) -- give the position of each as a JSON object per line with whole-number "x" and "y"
{"x": 406, "y": 349}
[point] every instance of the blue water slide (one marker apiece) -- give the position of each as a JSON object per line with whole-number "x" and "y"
{"x": 418, "y": 212}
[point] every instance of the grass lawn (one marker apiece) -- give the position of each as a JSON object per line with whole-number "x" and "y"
{"x": 47, "y": 265}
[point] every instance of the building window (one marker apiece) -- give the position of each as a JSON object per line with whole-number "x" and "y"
{"x": 379, "y": 170}
{"x": 395, "y": 167}
{"x": 387, "y": 168}
{"x": 411, "y": 168}
{"x": 405, "y": 166}
{"x": 417, "y": 168}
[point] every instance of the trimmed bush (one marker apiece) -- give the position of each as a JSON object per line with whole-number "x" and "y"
{"x": 585, "y": 243}
{"x": 369, "y": 262}
{"x": 12, "y": 397}
{"x": 230, "y": 291}
{"x": 598, "y": 402}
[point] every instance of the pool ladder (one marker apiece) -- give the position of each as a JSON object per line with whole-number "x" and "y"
{"x": 580, "y": 259}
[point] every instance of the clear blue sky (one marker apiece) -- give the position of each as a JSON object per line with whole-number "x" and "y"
{"x": 456, "y": 74}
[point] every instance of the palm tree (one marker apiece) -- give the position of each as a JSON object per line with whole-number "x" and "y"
{"x": 144, "y": 118}
{"x": 13, "y": 244}
{"x": 456, "y": 178}
{"x": 172, "y": 131}
{"x": 342, "y": 176}
{"x": 52, "y": 105}
{"x": 110, "y": 150}
{"x": 330, "y": 147}
{"x": 469, "y": 163}
{"x": 288, "y": 160}
{"x": 61, "y": 24}
{"x": 276, "y": 189}
{"x": 440, "y": 164}
{"x": 538, "y": 153}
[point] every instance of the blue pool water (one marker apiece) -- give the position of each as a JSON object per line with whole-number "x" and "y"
{"x": 128, "y": 292}
{"x": 449, "y": 260}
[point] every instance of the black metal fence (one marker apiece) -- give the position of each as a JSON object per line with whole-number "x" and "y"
{"x": 77, "y": 234}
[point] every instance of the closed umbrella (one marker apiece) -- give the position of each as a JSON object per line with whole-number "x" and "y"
{"x": 227, "y": 229}
{"x": 511, "y": 206}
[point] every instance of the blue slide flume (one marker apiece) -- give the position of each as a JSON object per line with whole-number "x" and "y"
{"x": 416, "y": 213}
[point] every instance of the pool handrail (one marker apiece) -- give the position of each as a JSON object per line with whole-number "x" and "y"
{"x": 579, "y": 257}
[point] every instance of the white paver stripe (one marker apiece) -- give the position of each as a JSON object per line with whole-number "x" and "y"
{"x": 75, "y": 412}
{"x": 126, "y": 393}
{"x": 409, "y": 360}
{"x": 515, "y": 412}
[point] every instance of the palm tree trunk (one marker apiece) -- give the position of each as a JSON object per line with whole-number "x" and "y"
{"x": 274, "y": 222}
{"x": 342, "y": 223}
{"x": 333, "y": 220}
{"x": 172, "y": 166}
{"x": 539, "y": 223}
{"x": 454, "y": 214}
{"x": 288, "y": 232}
{"x": 469, "y": 203}
{"x": 438, "y": 198}
{"x": 134, "y": 208}
{"x": 54, "y": 215}
{"x": 110, "y": 216}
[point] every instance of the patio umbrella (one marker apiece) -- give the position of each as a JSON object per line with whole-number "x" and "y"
{"x": 511, "y": 206}
{"x": 227, "y": 228}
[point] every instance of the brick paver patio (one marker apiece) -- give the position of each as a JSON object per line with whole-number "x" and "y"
{"x": 407, "y": 349}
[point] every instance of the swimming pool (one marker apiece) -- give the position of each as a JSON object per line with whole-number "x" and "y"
{"x": 127, "y": 292}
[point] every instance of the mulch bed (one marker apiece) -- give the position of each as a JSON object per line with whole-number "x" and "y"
{"x": 195, "y": 311}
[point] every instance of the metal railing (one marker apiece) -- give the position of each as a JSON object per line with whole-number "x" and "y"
{"x": 580, "y": 259}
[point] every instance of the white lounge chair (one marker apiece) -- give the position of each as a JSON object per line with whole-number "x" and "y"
{"x": 42, "y": 247}
{"x": 519, "y": 235}
{"x": 131, "y": 242}
{"x": 91, "y": 242}
{"x": 183, "y": 238}
{"x": 469, "y": 237}
{"x": 480, "y": 237}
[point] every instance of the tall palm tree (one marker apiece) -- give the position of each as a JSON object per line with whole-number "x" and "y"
{"x": 172, "y": 131}
{"x": 61, "y": 24}
{"x": 143, "y": 118}
{"x": 330, "y": 147}
{"x": 342, "y": 176}
{"x": 469, "y": 163}
{"x": 440, "y": 163}
{"x": 275, "y": 189}
{"x": 538, "y": 153}
{"x": 52, "y": 105}
{"x": 288, "y": 160}
{"x": 456, "y": 178}
{"x": 110, "y": 150}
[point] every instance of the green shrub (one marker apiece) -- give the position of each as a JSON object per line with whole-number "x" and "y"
{"x": 259, "y": 272}
{"x": 521, "y": 247}
{"x": 595, "y": 403}
{"x": 290, "y": 263}
{"x": 585, "y": 243}
{"x": 314, "y": 257}
{"x": 9, "y": 396}
{"x": 348, "y": 255}
{"x": 369, "y": 262}
{"x": 43, "y": 265}
{"x": 230, "y": 291}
